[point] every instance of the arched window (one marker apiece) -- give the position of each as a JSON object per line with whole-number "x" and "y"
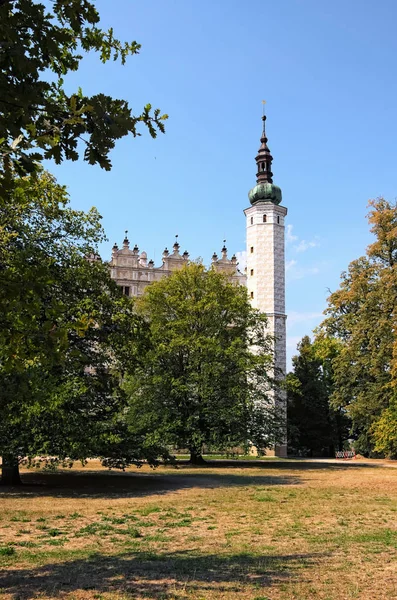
{"x": 264, "y": 218}
{"x": 252, "y": 249}
{"x": 252, "y": 294}
{"x": 263, "y": 166}
{"x": 252, "y": 272}
{"x": 252, "y": 220}
{"x": 278, "y": 219}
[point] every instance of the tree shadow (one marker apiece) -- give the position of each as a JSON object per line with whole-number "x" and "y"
{"x": 154, "y": 575}
{"x": 112, "y": 484}
{"x": 290, "y": 464}
{"x": 118, "y": 485}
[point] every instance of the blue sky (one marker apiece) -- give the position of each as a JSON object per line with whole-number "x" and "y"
{"x": 328, "y": 74}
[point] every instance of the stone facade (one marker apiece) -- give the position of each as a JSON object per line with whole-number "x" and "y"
{"x": 133, "y": 272}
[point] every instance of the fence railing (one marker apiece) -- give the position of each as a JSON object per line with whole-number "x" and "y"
{"x": 345, "y": 454}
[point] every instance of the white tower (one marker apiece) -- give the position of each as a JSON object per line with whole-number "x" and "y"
{"x": 266, "y": 260}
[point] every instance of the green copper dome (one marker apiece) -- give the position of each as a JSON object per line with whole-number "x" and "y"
{"x": 265, "y": 192}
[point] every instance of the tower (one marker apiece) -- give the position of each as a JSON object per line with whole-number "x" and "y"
{"x": 266, "y": 259}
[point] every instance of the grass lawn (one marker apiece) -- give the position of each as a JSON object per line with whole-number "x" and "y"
{"x": 276, "y": 530}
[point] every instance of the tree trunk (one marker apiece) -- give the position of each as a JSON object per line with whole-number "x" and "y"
{"x": 196, "y": 458}
{"x": 10, "y": 471}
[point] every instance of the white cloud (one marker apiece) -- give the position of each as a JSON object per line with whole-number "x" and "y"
{"x": 294, "y": 271}
{"x": 242, "y": 260}
{"x": 295, "y": 317}
{"x": 289, "y": 235}
{"x": 289, "y": 265}
{"x": 304, "y": 245}
{"x": 300, "y": 245}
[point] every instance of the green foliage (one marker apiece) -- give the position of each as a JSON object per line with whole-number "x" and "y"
{"x": 310, "y": 419}
{"x": 384, "y": 432}
{"x": 362, "y": 317}
{"x": 199, "y": 381}
{"x": 38, "y": 119}
{"x": 63, "y": 326}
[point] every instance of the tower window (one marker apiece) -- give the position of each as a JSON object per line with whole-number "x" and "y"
{"x": 252, "y": 294}
{"x": 252, "y": 249}
{"x": 252, "y": 220}
{"x": 278, "y": 219}
{"x": 263, "y": 166}
{"x": 252, "y": 272}
{"x": 264, "y": 218}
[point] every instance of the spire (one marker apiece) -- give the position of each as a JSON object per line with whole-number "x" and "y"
{"x": 264, "y": 158}
{"x": 264, "y": 190}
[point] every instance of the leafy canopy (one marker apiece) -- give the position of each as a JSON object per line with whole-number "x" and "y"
{"x": 199, "y": 381}
{"x": 63, "y": 326}
{"x": 314, "y": 426}
{"x": 362, "y": 315}
{"x": 38, "y": 119}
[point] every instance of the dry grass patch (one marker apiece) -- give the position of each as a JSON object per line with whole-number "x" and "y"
{"x": 278, "y": 530}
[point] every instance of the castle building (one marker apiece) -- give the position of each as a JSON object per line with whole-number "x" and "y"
{"x": 132, "y": 271}
{"x": 265, "y": 271}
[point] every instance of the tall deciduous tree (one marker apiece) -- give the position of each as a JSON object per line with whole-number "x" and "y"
{"x": 362, "y": 315}
{"x": 38, "y": 118}
{"x": 326, "y": 350}
{"x": 63, "y": 326}
{"x": 310, "y": 426}
{"x": 60, "y": 314}
{"x": 200, "y": 383}
{"x": 315, "y": 425}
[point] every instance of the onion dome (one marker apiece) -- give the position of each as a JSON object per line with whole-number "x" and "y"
{"x": 265, "y": 190}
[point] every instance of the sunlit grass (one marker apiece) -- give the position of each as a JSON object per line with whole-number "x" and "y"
{"x": 280, "y": 531}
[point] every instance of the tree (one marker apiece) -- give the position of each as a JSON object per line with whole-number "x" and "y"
{"x": 326, "y": 350}
{"x": 61, "y": 317}
{"x": 38, "y": 119}
{"x": 200, "y": 382}
{"x": 362, "y": 316}
{"x": 310, "y": 423}
{"x": 63, "y": 326}
{"x": 384, "y": 432}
